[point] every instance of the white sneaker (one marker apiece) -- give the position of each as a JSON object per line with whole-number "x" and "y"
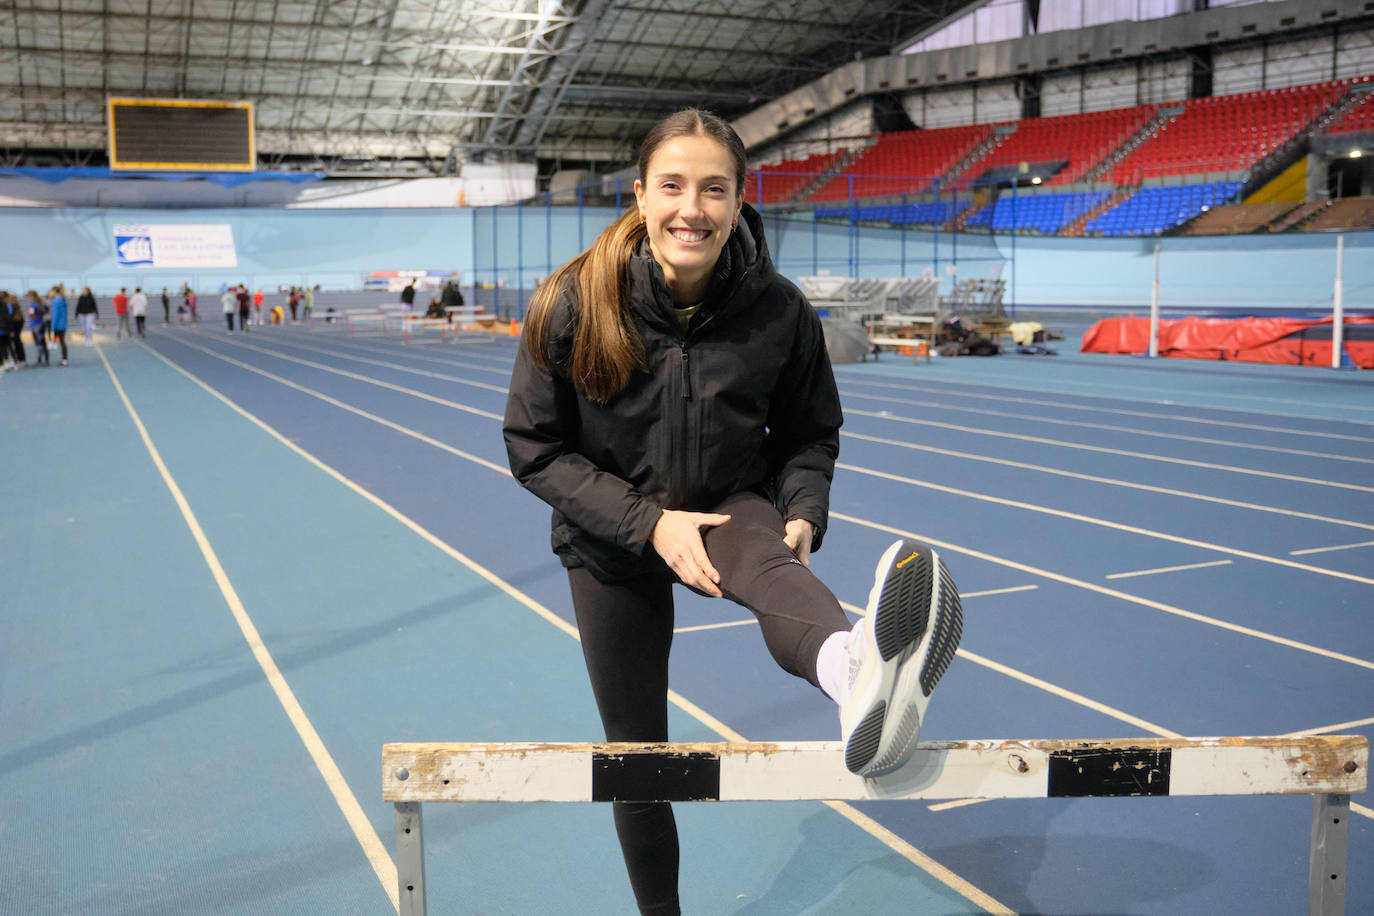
{"x": 897, "y": 654}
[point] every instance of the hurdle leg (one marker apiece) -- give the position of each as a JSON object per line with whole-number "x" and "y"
{"x": 410, "y": 859}
{"x": 1330, "y": 845}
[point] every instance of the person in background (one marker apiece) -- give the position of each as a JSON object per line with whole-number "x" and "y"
{"x": 166, "y": 308}
{"x": 408, "y": 296}
{"x": 87, "y": 312}
{"x": 308, "y": 301}
{"x": 16, "y": 319}
{"x": 121, "y": 306}
{"x": 257, "y": 307}
{"x": 7, "y": 363}
{"x": 230, "y": 303}
{"x": 34, "y": 307}
{"x": 435, "y": 310}
{"x": 452, "y": 297}
{"x": 191, "y": 305}
{"x": 294, "y": 301}
{"x": 138, "y": 304}
{"x": 57, "y": 313}
{"x": 244, "y": 301}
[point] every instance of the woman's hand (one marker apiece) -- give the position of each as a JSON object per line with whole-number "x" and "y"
{"x": 677, "y": 538}
{"x": 798, "y": 539}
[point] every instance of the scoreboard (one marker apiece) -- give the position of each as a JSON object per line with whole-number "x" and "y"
{"x": 181, "y": 135}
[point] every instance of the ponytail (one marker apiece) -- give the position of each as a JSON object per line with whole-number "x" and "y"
{"x": 606, "y": 347}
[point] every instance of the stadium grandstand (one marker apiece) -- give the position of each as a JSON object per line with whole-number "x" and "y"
{"x": 1089, "y": 282}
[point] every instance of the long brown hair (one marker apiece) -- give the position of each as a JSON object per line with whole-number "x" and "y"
{"x": 606, "y": 349}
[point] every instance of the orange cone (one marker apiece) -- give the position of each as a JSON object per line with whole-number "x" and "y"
{"x": 513, "y": 331}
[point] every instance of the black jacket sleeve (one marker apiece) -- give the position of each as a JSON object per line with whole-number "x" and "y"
{"x": 804, "y": 428}
{"x": 540, "y": 431}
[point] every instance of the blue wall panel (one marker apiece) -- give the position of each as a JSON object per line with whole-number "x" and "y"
{"x": 335, "y": 248}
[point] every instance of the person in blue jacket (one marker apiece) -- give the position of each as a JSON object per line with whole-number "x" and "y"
{"x": 57, "y": 306}
{"x": 673, "y": 402}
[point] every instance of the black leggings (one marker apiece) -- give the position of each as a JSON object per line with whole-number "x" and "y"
{"x": 627, "y": 631}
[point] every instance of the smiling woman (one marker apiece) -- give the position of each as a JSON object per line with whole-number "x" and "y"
{"x": 672, "y": 400}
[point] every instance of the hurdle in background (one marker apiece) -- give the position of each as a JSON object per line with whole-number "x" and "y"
{"x": 1329, "y": 767}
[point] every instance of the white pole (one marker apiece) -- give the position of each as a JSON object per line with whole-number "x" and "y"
{"x": 1338, "y": 308}
{"x": 1154, "y": 309}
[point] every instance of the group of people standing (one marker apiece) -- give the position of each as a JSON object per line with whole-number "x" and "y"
{"x": 45, "y": 318}
{"x": 248, "y": 306}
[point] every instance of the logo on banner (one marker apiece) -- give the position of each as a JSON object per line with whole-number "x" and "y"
{"x": 134, "y": 250}
{"x": 175, "y": 245}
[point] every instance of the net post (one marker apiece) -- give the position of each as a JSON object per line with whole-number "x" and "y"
{"x": 1154, "y": 309}
{"x": 410, "y": 859}
{"x": 1330, "y": 848}
{"x": 1338, "y": 306}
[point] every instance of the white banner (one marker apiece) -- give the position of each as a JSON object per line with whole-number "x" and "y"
{"x": 175, "y": 245}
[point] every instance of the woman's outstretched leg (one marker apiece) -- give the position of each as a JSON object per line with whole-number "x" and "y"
{"x": 627, "y": 631}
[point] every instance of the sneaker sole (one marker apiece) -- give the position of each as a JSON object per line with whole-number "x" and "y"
{"x": 917, "y": 625}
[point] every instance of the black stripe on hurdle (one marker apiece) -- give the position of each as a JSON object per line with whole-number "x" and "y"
{"x": 1109, "y": 772}
{"x": 654, "y": 776}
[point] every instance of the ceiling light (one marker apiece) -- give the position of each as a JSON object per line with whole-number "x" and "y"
{"x": 1355, "y": 153}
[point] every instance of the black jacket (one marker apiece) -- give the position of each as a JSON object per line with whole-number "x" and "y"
{"x": 85, "y": 305}
{"x": 744, "y": 401}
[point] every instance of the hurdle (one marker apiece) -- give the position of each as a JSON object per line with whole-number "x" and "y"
{"x": 1328, "y": 767}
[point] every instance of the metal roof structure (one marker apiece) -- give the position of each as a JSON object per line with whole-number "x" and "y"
{"x": 421, "y": 86}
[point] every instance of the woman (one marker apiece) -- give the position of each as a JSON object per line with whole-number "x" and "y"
{"x": 673, "y": 401}
{"x": 57, "y": 303}
{"x": 87, "y": 311}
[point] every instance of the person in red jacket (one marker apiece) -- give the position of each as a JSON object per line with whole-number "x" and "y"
{"x": 121, "y": 307}
{"x": 673, "y": 401}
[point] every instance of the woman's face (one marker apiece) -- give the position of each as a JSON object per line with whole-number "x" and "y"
{"x": 688, "y": 202}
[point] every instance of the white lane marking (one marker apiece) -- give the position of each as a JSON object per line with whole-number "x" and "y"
{"x": 1093, "y": 520}
{"x": 1166, "y": 569}
{"x": 1311, "y": 550}
{"x": 1103, "y": 450}
{"x": 1040, "y": 419}
{"x": 1003, "y": 398}
{"x": 382, "y": 864}
{"x": 1111, "y": 592}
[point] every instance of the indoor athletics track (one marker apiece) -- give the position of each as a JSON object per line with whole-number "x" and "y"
{"x": 235, "y": 566}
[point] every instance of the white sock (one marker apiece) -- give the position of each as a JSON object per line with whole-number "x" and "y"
{"x": 832, "y": 665}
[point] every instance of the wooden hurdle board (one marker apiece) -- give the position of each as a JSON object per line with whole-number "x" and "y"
{"x": 1329, "y": 767}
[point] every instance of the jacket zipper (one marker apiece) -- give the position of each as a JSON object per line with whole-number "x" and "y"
{"x": 686, "y": 374}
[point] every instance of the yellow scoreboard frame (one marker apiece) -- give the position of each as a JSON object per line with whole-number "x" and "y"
{"x": 114, "y": 105}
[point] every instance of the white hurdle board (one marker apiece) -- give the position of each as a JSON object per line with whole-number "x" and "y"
{"x": 1329, "y": 767}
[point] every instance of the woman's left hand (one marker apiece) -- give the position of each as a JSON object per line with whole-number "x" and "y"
{"x": 798, "y": 539}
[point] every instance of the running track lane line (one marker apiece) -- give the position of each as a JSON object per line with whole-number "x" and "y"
{"x": 1105, "y": 523}
{"x": 1109, "y": 481}
{"x": 1201, "y": 618}
{"x": 903, "y": 848}
{"x": 1081, "y": 424}
{"x": 857, "y": 379}
{"x": 1146, "y": 456}
{"x": 376, "y": 853}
